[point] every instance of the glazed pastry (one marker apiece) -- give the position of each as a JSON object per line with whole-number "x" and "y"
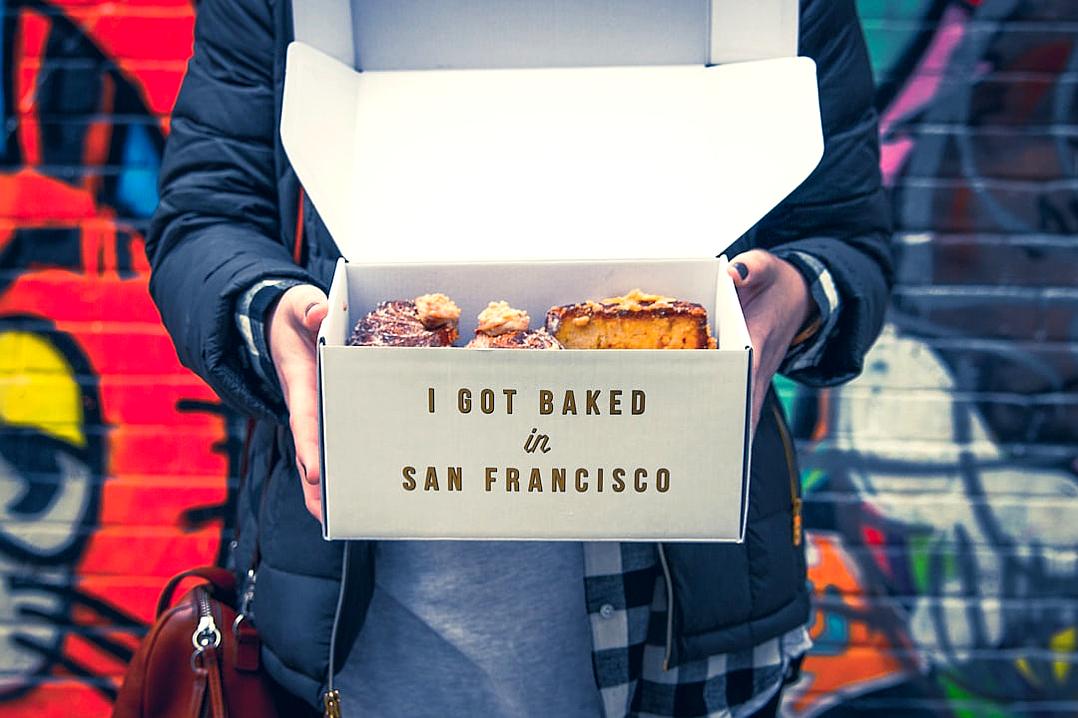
{"x": 503, "y": 327}
{"x": 634, "y": 321}
{"x": 428, "y": 321}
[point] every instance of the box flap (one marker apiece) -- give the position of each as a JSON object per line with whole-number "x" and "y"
{"x": 459, "y": 34}
{"x": 490, "y": 34}
{"x": 318, "y": 131}
{"x": 634, "y": 162}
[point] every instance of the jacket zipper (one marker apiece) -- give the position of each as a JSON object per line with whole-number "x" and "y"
{"x": 331, "y": 700}
{"x": 791, "y": 462}
{"x": 332, "y": 704}
{"x": 669, "y": 608}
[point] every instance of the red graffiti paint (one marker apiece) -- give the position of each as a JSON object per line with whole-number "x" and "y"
{"x": 133, "y": 440}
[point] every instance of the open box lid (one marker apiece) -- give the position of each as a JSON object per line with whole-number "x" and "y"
{"x": 560, "y": 130}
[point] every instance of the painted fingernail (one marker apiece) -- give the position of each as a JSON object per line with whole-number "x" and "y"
{"x": 310, "y": 306}
{"x": 741, "y": 269}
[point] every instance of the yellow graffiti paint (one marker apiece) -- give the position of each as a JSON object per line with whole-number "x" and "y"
{"x": 1024, "y": 668}
{"x": 1062, "y": 643}
{"x": 38, "y": 388}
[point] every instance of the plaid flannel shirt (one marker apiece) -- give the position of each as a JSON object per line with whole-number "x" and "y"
{"x": 624, "y": 585}
{"x": 825, "y": 294}
{"x": 627, "y": 605}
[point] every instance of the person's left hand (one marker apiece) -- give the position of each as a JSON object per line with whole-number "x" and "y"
{"x": 777, "y": 303}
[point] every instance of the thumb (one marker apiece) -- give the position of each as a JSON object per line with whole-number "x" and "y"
{"x": 752, "y": 271}
{"x": 752, "y": 267}
{"x": 314, "y": 314}
{"x": 311, "y": 306}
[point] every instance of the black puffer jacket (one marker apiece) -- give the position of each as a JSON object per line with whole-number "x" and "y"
{"x": 228, "y": 218}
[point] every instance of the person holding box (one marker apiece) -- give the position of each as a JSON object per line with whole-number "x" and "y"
{"x": 240, "y": 265}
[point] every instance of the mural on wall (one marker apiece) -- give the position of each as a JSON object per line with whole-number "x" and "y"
{"x": 113, "y": 459}
{"x": 941, "y": 487}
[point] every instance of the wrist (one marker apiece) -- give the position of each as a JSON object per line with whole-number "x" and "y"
{"x": 806, "y": 312}
{"x": 254, "y": 313}
{"x": 809, "y": 328}
{"x": 811, "y": 320}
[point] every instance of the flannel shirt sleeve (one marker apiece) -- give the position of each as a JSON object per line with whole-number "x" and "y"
{"x": 807, "y": 354}
{"x": 252, "y": 308}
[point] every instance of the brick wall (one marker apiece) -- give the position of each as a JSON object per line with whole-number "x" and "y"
{"x": 114, "y": 460}
{"x": 940, "y": 486}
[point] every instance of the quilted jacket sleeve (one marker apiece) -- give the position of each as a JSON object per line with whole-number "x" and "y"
{"x": 215, "y": 232}
{"x": 840, "y": 215}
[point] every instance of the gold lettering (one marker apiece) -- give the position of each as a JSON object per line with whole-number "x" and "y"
{"x": 529, "y": 443}
{"x": 615, "y": 402}
{"x": 535, "y": 483}
{"x": 638, "y": 402}
{"x": 430, "y": 399}
{"x": 408, "y": 472}
{"x": 509, "y": 394}
{"x": 581, "y": 485}
{"x": 431, "y": 484}
{"x": 569, "y": 405}
{"x": 455, "y": 478}
{"x": 489, "y": 476}
{"x": 512, "y": 479}
{"x": 591, "y": 398}
{"x": 662, "y": 480}
{"x": 536, "y": 442}
{"x": 638, "y": 481}
{"x": 486, "y": 401}
{"x": 599, "y": 481}
{"x": 464, "y": 401}
{"x": 557, "y": 480}
{"x": 618, "y": 480}
{"x": 546, "y": 402}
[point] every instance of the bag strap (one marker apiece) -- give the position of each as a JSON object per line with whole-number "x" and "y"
{"x": 216, "y": 689}
{"x": 221, "y": 581}
{"x": 298, "y": 245}
{"x": 297, "y": 256}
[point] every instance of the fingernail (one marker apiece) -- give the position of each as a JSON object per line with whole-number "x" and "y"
{"x": 741, "y": 269}
{"x": 310, "y": 306}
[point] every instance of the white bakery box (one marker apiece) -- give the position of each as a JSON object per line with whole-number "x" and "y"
{"x": 543, "y": 152}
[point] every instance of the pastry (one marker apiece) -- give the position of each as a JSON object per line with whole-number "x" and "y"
{"x": 428, "y": 321}
{"x": 634, "y": 321}
{"x": 503, "y": 327}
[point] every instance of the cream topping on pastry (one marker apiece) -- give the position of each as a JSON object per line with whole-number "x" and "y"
{"x": 636, "y": 300}
{"x": 436, "y": 310}
{"x": 500, "y": 318}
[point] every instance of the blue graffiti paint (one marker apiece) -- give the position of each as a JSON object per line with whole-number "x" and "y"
{"x": 136, "y": 188}
{"x": 834, "y": 639}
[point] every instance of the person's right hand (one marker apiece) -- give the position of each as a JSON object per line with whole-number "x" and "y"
{"x": 292, "y": 332}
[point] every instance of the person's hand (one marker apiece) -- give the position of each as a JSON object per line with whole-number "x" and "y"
{"x": 776, "y": 302}
{"x": 292, "y": 332}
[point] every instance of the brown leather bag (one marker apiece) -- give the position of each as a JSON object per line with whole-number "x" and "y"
{"x": 200, "y": 659}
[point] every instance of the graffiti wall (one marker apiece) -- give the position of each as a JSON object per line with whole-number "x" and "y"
{"x": 114, "y": 460}
{"x": 941, "y": 487}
